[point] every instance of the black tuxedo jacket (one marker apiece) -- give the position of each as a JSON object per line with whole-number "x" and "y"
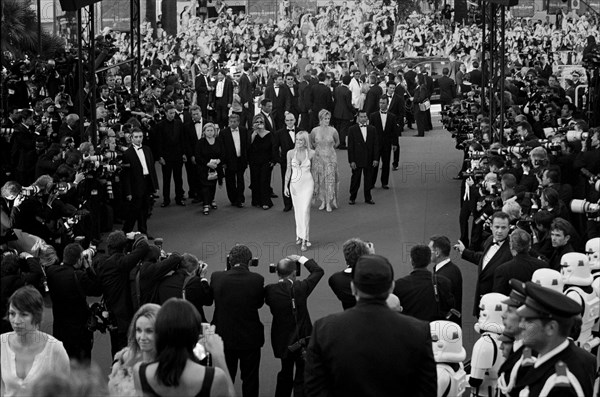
{"x": 238, "y": 294}
{"x": 417, "y": 295}
{"x": 269, "y": 125}
{"x": 187, "y": 117}
{"x": 171, "y": 143}
{"x": 294, "y": 100}
{"x": 320, "y": 98}
{"x": 132, "y": 177}
{"x": 202, "y": 82}
{"x": 579, "y": 362}
{"x": 282, "y": 143}
{"x": 360, "y": 152}
{"x": 485, "y": 277}
{"x": 398, "y": 103}
{"x": 246, "y": 91}
{"x": 227, "y": 97}
{"x": 342, "y": 99}
{"x": 281, "y": 102}
{"x": 340, "y": 285}
{"x": 190, "y": 136}
{"x": 398, "y": 360}
{"x": 452, "y": 273}
{"x": 230, "y": 158}
{"x": 278, "y": 297}
{"x": 197, "y": 291}
{"x": 520, "y": 267}
{"x": 372, "y": 99}
{"x": 387, "y": 136}
{"x": 447, "y": 88}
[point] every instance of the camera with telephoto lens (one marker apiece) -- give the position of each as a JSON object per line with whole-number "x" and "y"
{"x": 89, "y": 253}
{"x": 273, "y": 268}
{"x": 574, "y": 136}
{"x": 29, "y": 191}
{"x": 591, "y": 210}
{"x": 7, "y": 131}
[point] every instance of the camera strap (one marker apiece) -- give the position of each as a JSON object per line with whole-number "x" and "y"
{"x": 435, "y": 290}
{"x": 294, "y": 311}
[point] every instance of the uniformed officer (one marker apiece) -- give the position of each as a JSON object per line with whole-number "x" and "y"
{"x": 561, "y": 368}
{"x": 517, "y": 362}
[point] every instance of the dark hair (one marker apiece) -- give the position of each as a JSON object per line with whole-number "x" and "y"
{"x": 500, "y": 215}
{"x": 445, "y": 71}
{"x": 553, "y": 174}
{"x": 29, "y": 300}
{"x": 509, "y": 180}
{"x": 543, "y": 218}
{"x": 72, "y": 253}
{"x": 563, "y": 225}
{"x": 168, "y": 107}
{"x": 265, "y": 101}
{"x": 323, "y": 76}
{"x": 9, "y": 265}
{"x": 498, "y": 161}
{"x": 346, "y": 79}
{"x": 354, "y": 249}
{"x": 116, "y": 241}
{"x": 420, "y": 256}
{"x": 442, "y": 243}
{"x": 240, "y": 255}
{"x": 178, "y": 327}
{"x": 526, "y": 126}
{"x": 552, "y": 197}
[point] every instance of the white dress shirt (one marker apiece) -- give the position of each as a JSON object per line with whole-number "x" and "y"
{"x": 490, "y": 253}
{"x": 276, "y": 90}
{"x": 383, "y": 119}
{"x": 441, "y": 264}
{"x": 292, "y": 135}
{"x": 235, "y": 134}
{"x": 140, "y": 153}
{"x": 220, "y": 87}
{"x": 363, "y": 131}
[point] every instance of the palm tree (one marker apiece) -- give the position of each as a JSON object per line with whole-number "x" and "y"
{"x": 19, "y": 31}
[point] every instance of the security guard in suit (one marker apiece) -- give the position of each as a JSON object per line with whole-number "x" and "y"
{"x": 561, "y": 368}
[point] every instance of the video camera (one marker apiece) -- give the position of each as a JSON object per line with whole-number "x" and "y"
{"x": 591, "y": 210}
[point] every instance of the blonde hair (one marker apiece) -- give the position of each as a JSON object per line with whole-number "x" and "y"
{"x": 324, "y": 112}
{"x": 304, "y": 135}
{"x": 149, "y": 310}
{"x": 213, "y": 126}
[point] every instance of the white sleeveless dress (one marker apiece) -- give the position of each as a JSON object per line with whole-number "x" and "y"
{"x": 301, "y": 190}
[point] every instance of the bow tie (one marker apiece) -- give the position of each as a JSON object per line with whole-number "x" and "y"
{"x": 383, "y": 111}
{"x": 292, "y": 130}
{"x": 363, "y": 126}
{"x": 198, "y": 122}
{"x": 137, "y": 147}
{"x": 498, "y": 242}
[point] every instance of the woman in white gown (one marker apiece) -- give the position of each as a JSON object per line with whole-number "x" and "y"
{"x": 300, "y": 185}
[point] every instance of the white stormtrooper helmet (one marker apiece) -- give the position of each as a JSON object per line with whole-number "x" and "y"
{"x": 491, "y": 308}
{"x": 447, "y": 340}
{"x": 549, "y": 278}
{"x": 575, "y": 269}
{"x": 592, "y": 248}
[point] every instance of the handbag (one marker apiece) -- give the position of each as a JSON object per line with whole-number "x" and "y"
{"x": 423, "y": 106}
{"x": 212, "y": 175}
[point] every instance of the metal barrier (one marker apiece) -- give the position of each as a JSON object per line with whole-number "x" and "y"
{"x": 583, "y": 86}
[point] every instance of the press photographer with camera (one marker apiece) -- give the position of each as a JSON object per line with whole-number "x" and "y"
{"x": 70, "y": 282}
{"x": 292, "y": 326}
{"x": 238, "y": 294}
{"x": 113, "y": 271}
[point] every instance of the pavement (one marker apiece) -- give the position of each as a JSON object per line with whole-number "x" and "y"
{"x": 423, "y": 200}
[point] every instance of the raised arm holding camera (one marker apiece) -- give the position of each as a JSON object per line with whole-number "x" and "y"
{"x": 292, "y": 326}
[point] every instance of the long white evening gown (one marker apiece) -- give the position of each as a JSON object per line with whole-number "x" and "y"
{"x": 301, "y": 190}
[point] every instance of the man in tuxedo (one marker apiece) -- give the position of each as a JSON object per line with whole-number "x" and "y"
{"x": 172, "y": 154}
{"x": 280, "y": 98}
{"x": 394, "y": 349}
{"x": 447, "y": 88}
{"x": 496, "y": 251}
{"x": 235, "y": 144}
{"x": 521, "y": 267}
{"x": 223, "y": 97}
{"x": 139, "y": 182}
{"x": 343, "y": 110}
{"x": 183, "y": 115}
{"x": 386, "y": 125}
{"x": 290, "y": 82}
{"x": 354, "y": 86}
{"x": 373, "y": 95}
{"x": 442, "y": 265}
{"x": 284, "y": 140}
{"x": 363, "y": 149}
{"x": 429, "y": 85}
{"x": 304, "y": 88}
{"x": 246, "y": 93}
{"x": 422, "y": 295}
{"x": 266, "y": 108}
{"x": 288, "y": 300}
{"x": 410, "y": 77}
{"x": 320, "y": 98}
{"x": 203, "y": 88}
{"x": 192, "y": 134}
{"x": 398, "y": 95}
{"x": 339, "y": 282}
{"x": 475, "y": 75}
{"x": 238, "y": 294}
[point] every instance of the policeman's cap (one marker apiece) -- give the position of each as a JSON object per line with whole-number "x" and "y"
{"x": 542, "y": 302}
{"x": 516, "y": 298}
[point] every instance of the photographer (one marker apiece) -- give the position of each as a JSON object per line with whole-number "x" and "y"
{"x": 145, "y": 277}
{"x": 287, "y": 300}
{"x": 238, "y": 294}
{"x": 70, "y": 283}
{"x": 113, "y": 271}
{"x": 188, "y": 282}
